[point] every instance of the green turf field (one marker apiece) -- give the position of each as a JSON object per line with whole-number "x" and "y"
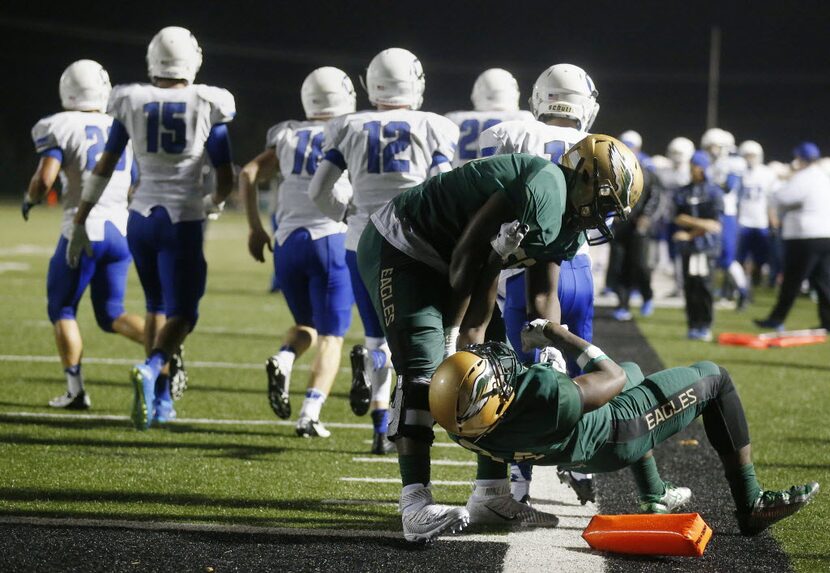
{"x": 260, "y": 473}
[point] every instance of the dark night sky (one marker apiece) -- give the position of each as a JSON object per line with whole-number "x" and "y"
{"x": 649, "y": 60}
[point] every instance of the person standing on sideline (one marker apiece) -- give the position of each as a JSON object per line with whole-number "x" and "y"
{"x": 804, "y": 208}
{"x": 696, "y": 216}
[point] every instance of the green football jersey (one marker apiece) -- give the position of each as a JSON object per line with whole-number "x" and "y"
{"x": 545, "y": 423}
{"x": 427, "y": 220}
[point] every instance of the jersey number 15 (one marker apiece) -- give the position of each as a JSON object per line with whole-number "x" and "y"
{"x": 173, "y": 136}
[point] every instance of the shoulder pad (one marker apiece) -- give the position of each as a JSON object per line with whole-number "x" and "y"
{"x": 222, "y": 103}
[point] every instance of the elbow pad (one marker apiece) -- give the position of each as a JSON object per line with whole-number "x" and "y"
{"x": 321, "y": 190}
{"x": 93, "y": 188}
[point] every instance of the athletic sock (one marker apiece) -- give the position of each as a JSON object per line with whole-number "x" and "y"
{"x": 74, "y": 379}
{"x": 157, "y": 360}
{"x": 286, "y": 357}
{"x": 744, "y": 487}
{"x": 415, "y": 469}
{"x": 521, "y": 475}
{"x": 378, "y": 358}
{"x": 380, "y": 420}
{"x": 163, "y": 388}
{"x": 490, "y": 469}
{"x": 313, "y": 403}
{"x": 647, "y": 478}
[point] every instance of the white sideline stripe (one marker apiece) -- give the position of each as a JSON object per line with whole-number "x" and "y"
{"x": 359, "y": 502}
{"x": 138, "y": 360}
{"x": 210, "y": 421}
{"x": 398, "y": 481}
{"x": 381, "y": 460}
{"x": 211, "y": 528}
{"x": 434, "y": 444}
{"x": 537, "y": 549}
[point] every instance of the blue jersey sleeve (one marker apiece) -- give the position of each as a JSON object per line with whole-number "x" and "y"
{"x": 55, "y": 152}
{"x": 133, "y": 172}
{"x": 118, "y": 138}
{"x": 218, "y": 145}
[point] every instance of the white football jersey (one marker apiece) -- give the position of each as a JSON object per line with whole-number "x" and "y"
{"x": 81, "y": 137}
{"x": 472, "y": 123}
{"x": 169, "y": 128}
{"x": 674, "y": 178}
{"x": 387, "y": 152}
{"x": 757, "y": 185}
{"x": 720, "y": 173}
{"x": 299, "y": 148}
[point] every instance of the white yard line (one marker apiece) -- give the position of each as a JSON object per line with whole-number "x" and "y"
{"x": 398, "y": 481}
{"x": 208, "y": 421}
{"x": 538, "y": 549}
{"x": 394, "y": 460}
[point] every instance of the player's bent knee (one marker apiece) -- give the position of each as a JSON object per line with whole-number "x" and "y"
{"x": 410, "y": 416}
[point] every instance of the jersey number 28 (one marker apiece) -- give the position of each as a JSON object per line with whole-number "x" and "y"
{"x": 173, "y": 136}
{"x": 399, "y": 134}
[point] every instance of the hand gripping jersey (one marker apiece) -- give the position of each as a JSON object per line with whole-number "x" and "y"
{"x": 299, "y": 148}
{"x": 81, "y": 137}
{"x": 757, "y": 185}
{"x": 427, "y": 221}
{"x": 169, "y": 128}
{"x": 385, "y": 153}
{"x": 473, "y": 123}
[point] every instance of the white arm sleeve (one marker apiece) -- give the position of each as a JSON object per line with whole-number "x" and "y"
{"x": 322, "y": 191}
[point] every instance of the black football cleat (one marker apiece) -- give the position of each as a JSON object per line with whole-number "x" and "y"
{"x": 277, "y": 388}
{"x": 381, "y": 445}
{"x": 772, "y": 506}
{"x": 361, "y": 393}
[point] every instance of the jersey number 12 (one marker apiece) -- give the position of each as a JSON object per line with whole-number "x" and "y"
{"x": 173, "y": 136}
{"x": 400, "y": 131}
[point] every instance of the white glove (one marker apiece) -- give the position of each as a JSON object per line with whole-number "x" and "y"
{"x": 508, "y": 239}
{"x": 533, "y": 335}
{"x": 450, "y": 340}
{"x": 78, "y": 243}
{"x": 212, "y": 210}
{"x": 553, "y": 356}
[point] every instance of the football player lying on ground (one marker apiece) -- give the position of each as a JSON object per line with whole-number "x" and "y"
{"x": 601, "y": 421}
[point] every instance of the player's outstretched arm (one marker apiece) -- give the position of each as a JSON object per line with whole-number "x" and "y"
{"x": 604, "y": 380}
{"x": 542, "y": 291}
{"x": 262, "y": 168}
{"x": 42, "y": 180}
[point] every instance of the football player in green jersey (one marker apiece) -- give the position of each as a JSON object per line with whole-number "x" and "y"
{"x": 431, "y": 258}
{"x": 601, "y": 421}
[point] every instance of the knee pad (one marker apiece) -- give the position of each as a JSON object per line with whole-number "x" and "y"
{"x": 410, "y": 416}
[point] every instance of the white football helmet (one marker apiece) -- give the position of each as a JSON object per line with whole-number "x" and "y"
{"x": 717, "y": 142}
{"x": 395, "y": 77}
{"x": 84, "y": 86}
{"x": 327, "y": 92}
{"x": 680, "y": 150}
{"x": 565, "y": 91}
{"x": 495, "y": 90}
{"x": 174, "y": 53}
{"x": 752, "y": 152}
{"x": 632, "y": 139}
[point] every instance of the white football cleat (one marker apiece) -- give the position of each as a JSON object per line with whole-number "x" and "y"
{"x": 494, "y": 505}
{"x": 424, "y": 520}
{"x": 308, "y": 428}
{"x": 79, "y": 401}
{"x": 673, "y": 498}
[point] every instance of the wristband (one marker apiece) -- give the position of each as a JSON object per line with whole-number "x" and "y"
{"x": 589, "y": 354}
{"x": 93, "y": 188}
{"x": 451, "y": 339}
{"x": 590, "y": 366}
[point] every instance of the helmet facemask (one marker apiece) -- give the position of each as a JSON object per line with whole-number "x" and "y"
{"x": 495, "y": 381}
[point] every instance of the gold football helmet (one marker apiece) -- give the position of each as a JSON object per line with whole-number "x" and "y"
{"x": 607, "y": 182}
{"x": 471, "y": 390}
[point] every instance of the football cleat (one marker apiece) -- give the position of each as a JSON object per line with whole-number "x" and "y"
{"x": 769, "y": 323}
{"x": 381, "y": 445}
{"x": 583, "y": 487}
{"x": 79, "y": 401}
{"x": 308, "y": 428}
{"x": 772, "y": 506}
{"x": 361, "y": 393}
{"x": 163, "y": 411}
{"x": 144, "y": 393}
{"x": 178, "y": 374}
{"x": 277, "y": 388}
{"x": 495, "y": 506}
{"x": 673, "y": 498}
{"x": 424, "y": 520}
{"x": 622, "y": 315}
{"x": 647, "y": 309}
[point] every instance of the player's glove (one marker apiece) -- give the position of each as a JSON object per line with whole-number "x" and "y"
{"x": 553, "y": 356}
{"x": 450, "y": 340}
{"x": 533, "y": 334}
{"x": 507, "y": 241}
{"x": 78, "y": 243}
{"x": 212, "y": 210}
{"x": 26, "y": 206}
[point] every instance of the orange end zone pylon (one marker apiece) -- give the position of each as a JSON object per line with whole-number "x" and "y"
{"x": 784, "y": 339}
{"x": 683, "y": 534}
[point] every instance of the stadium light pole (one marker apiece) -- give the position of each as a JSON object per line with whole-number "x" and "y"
{"x": 714, "y": 77}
